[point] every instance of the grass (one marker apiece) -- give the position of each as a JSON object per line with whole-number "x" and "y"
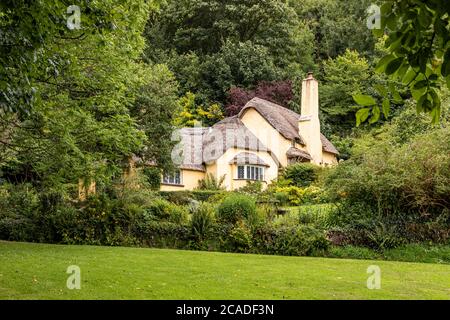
{"x": 38, "y": 271}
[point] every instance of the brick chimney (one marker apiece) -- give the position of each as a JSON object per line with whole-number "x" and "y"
{"x": 309, "y": 123}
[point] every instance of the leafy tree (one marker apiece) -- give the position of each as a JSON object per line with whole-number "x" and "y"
{"x": 344, "y": 76}
{"x": 279, "y": 92}
{"x": 193, "y": 114}
{"x": 154, "y": 111}
{"x": 337, "y": 25}
{"x": 79, "y": 124}
{"x": 236, "y": 64}
{"x": 419, "y": 53}
{"x": 214, "y": 45}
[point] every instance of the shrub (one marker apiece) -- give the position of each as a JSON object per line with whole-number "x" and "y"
{"x": 211, "y": 183}
{"x": 163, "y": 234}
{"x": 290, "y": 240}
{"x": 236, "y": 207}
{"x": 185, "y": 197}
{"x": 405, "y": 187}
{"x": 202, "y": 221}
{"x": 177, "y": 197}
{"x": 164, "y": 210}
{"x": 153, "y": 176}
{"x": 240, "y": 238}
{"x": 301, "y": 174}
{"x": 19, "y": 208}
{"x": 251, "y": 188}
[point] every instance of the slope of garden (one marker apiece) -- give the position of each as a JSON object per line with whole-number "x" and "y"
{"x": 36, "y": 271}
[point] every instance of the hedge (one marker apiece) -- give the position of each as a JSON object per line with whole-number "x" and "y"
{"x": 185, "y": 196}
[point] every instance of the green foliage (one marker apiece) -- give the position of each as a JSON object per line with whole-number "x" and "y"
{"x": 344, "y": 76}
{"x": 251, "y": 188}
{"x": 153, "y": 176}
{"x": 192, "y": 114}
{"x": 185, "y": 197}
{"x": 385, "y": 201}
{"x": 162, "y": 210}
{"x": 419, "y": 55}
{"x": 202, "y": 221}
{"x": 254, "y": 41}
{"x": 301, "y": 174}
{"x": 240, "y": 238}
{"x": 211, "y": 183}
{"x": 154, "y": 111}
{"x": 291, "y": 240}
{"x": 241, "y": 64}
{"x": 236, "y": 207}
{"x": 83, "y": 81}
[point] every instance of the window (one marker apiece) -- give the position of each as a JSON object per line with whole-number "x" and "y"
{"x": 173, "y": 178}
{"x": 250, "y": 173}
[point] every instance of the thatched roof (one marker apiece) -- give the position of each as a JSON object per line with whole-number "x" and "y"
{"x": 226, "y": 134}
{"x": 297, "y": 153}
{"x": 283, "y": 120}
{"x": 205, "y": 145}
{"x": 327, "y": 146}
{"x": 248, "y": 158}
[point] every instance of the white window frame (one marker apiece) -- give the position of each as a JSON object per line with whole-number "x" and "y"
{"x": 251, "y": 172}
{"x": 172, "y": 178}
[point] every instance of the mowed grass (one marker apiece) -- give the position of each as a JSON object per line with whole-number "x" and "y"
{"x": 38, "y": 271}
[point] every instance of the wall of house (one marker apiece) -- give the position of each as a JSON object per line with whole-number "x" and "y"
{"x": 329, "y": 158}
{"x": 230, "y": 171}
{"x": 267, "y": 134}
{"x": 189, "y": 180}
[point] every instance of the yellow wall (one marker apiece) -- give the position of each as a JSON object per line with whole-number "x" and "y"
{"x": 267, "y": 134}
{"x": 329, "y": 159}
{"x": 189, "y": 179}
{"x": 223, "y": 167}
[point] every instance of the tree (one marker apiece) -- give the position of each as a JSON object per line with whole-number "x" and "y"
{"x": 193, "y": 114}
{"x": 79, "y": 124}
{"x": 237, "y": 64}
{"x": 419, "y": 54}
{"x": 154, "y": 112}
{"x": 344, "y": 76}
{"x": 230, "y": 43}
{"x": 337, "y": 25}
{"x": 279, "y": 92}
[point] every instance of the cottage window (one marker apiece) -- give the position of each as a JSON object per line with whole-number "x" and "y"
{"x": 248, "y": 172}
{"x": 172, "y": 178}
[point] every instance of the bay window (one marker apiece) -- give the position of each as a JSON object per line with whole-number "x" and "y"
{"x": 248, "y": 172}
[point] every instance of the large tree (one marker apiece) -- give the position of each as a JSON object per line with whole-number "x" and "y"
{"x": 84, "y": 81}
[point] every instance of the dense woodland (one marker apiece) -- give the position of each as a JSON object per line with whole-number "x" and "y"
{"x": 77, "y": 104}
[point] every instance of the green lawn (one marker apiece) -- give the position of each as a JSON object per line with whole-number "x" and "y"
{"x": 37, "y": 271}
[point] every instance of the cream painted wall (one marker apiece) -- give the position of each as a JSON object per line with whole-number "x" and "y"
{"x": 329, "y": 159}
{"x": 189, "y": 180}
{"x": 230, "y": 171}
{"x": 267, "y": 134}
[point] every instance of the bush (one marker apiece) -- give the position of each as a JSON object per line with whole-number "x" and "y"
{"x": 301, "y": 174}
{"x": 211, "y": 183}
{"x": 202, "y": 221}
{"x": 185, "y": 197}
{"x": 240, "y": 238}
{"x": 237, "y": 207}
{"x": 163, "y": 210}
{"x": 405, "y": 187}
{"x": 290, "y": 240}
{"x": 153, "y": 176}
{"x": 19, "y": 208}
